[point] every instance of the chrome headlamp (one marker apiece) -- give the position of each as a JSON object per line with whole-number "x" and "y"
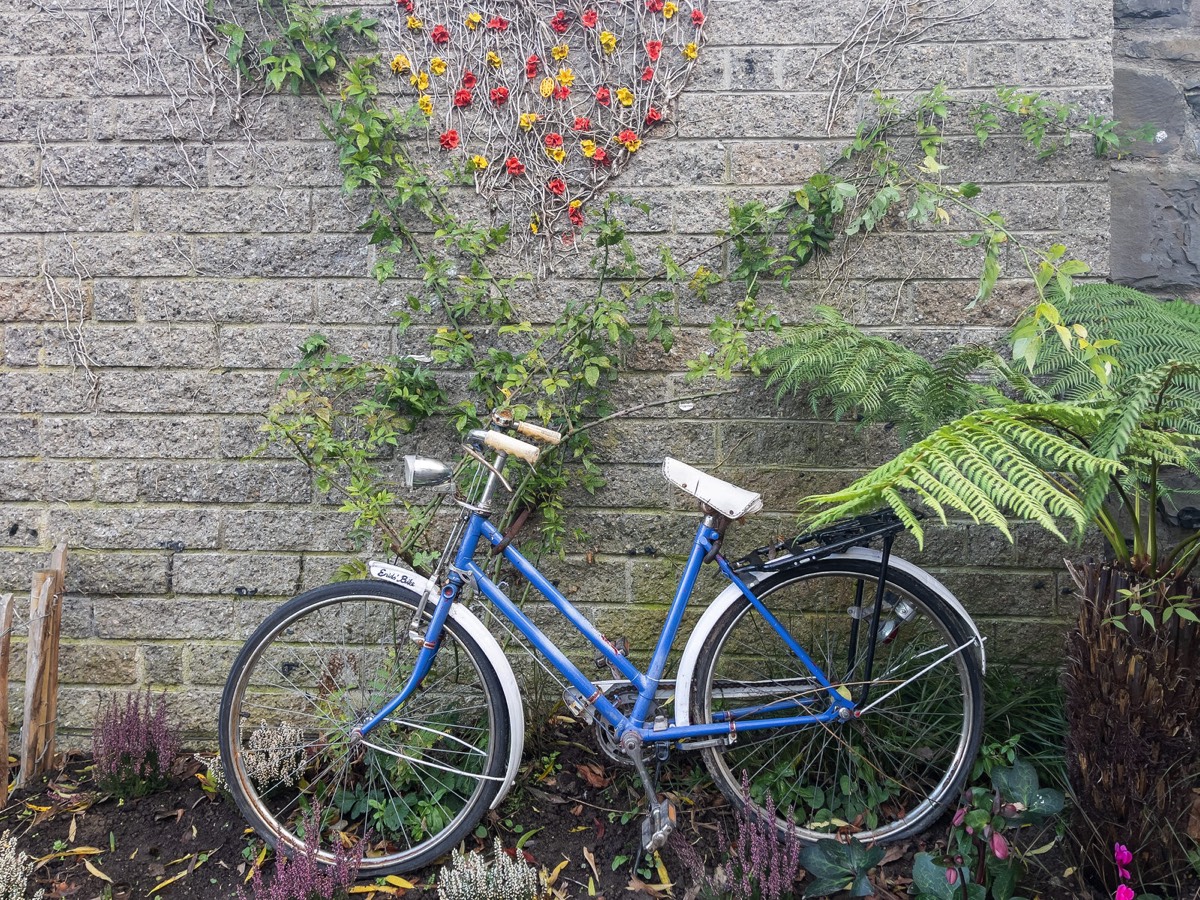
{"x": 424, "y": 471}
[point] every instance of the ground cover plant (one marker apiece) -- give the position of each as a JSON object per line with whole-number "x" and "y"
{"x": 133, "y": 745}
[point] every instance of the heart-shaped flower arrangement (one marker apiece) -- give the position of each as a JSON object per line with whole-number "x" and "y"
{"x": 545, "y": 102}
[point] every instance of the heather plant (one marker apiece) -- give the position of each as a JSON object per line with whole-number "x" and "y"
{"x": 15, "y": 868}
{"x": 133, "y": 745}
{"x": 471, "y": 877}
{"x": 757, "y": 866}
{"x": 299, "y": 875}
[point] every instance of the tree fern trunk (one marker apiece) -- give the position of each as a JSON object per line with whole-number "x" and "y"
{"x": 1133, "y": 719}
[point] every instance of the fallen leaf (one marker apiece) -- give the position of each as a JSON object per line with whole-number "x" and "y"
{"x": 552, "y": 877}
{"x": 593, "y": 774}
{"x": 87, "y": 863}
{"x": 577, "y": 809}
{"x": 397, "y": 881}
{"x": 71, "y": 831}
{"x": 636, "y": 884}
{"x": 591, "y": 860}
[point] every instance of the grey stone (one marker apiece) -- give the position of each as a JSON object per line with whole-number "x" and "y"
{"x": 259, "y": 481}
{"x": 284, "y": 528}
{"x": 1147, "y": 9}
{"x": 1140, "y": 97}
{"x": 1155, "y": 230}
{"x": 228, "y": 300}
{"x": 120, "y": 572}
{"x": 59, "y": 120}
{"x": 19, "y": 437}
{"x": 144, "y": 390}
{"x": 148, "y": 164}
{"x": 134, "y": 528}
{"x": 178, "y": 437}
{"x": 138, "y": 618}
{"x": 292, "y": 256}
{"x": 35, "y": 481}
{"x": 253, "y": 574}
{"x": 224, "y": 211}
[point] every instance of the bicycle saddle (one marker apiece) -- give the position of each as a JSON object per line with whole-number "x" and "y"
{"x": 728, "y": 499}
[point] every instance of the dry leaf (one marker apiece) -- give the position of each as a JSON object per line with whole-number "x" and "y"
{"x": 71, "y": 831}
{"x": 591, "y": 860}
{"x": 593, "y": 774}
{"x": 87, "y": 863}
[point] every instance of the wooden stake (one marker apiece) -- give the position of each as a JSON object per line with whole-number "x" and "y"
{"x": 49, "y": 684}
{"x": 36, "y": 649}
{"x": 6, "y": 617}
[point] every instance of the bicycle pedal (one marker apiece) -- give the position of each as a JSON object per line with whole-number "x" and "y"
{"x": 658, "y": 826}
{"x": 619, "y": 644}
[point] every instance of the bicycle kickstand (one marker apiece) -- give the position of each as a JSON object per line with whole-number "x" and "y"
{"x": 661, "y": 817}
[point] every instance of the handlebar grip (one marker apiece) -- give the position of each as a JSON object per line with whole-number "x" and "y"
{"x": 537, "y": 432}
{"x": 513, "y": 447}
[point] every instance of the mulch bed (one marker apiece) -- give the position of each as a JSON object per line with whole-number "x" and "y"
{"x": 571, "y": 804}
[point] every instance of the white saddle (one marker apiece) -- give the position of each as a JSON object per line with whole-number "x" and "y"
{"x": 728, "y": 499}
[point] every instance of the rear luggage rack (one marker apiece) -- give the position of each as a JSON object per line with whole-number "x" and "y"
{"x": 859, "y": 531}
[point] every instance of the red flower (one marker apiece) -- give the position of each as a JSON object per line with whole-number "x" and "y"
{"x": 559, "y": 23}
{"x": 582, "y": 123}
{"x": 462, "y": 98}
{"x": 469, "y": 80}
{"x": 655, "y": 5}
{"x": 406, "y": 5}
{"x": 603, "y": 95}
{"x": 499, "y": 95}
{"x": 652, "y": 116}
{"x": 448, "y": 139}
{"x": 557, "y": 187}
{"x": 590, "y": 18}
{"x": 554, "y": 139}
{"x": 653, "y": 50}
{"x": 648, "y": 73}
{"x": 697, "y": 18}
{"x": 439, "y": 35}
{"x": 600, "y": 157}
{"x": 575, "y": 214}
{"x": 532, "y": 65}
{"x": 514, "y": 166}
{"x": 498, "y": 23}
{"x": 562, "y": 92}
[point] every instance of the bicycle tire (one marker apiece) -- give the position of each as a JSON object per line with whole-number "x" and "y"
{"x": 885, "y": 776}
{"x": 319, "y": 666}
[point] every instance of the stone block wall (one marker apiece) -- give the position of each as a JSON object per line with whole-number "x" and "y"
{"x": 185, "y": 260}
{"x": 1156, "y": 80}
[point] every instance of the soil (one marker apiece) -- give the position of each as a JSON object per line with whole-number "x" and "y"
{"x": 572, "y": 805}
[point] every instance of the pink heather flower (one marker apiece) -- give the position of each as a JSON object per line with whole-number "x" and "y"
{"x": 960, "y": 816}
{"x": 952, "y": 876}
{"x": 1124, "y": 892}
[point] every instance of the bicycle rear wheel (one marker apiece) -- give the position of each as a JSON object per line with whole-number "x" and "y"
{"x": 881, "y": 777}
{"x": 319, "y": 667}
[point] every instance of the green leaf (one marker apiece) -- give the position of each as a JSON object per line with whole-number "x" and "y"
{"x": 929, "y": 878}
{"x": 969, "y": 189}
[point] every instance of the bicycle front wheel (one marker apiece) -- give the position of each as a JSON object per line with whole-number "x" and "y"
{"x": 316, "y": 670}
{"x": 883, "y": 776}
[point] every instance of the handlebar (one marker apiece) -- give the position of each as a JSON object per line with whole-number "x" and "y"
{"x": 537, "y": 432}
{"x": 502, "y": 443}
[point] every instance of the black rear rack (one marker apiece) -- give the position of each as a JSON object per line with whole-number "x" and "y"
{"x": 859, "y": 531}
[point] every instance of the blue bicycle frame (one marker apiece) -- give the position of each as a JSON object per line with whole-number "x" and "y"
{"x": 646, "y": 683}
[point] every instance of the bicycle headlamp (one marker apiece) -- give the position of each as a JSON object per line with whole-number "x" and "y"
{"x": 424, "y": 471}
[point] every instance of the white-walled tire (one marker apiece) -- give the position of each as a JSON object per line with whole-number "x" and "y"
{"x": 885, "y": 776}
{"x": 316, "y": 669}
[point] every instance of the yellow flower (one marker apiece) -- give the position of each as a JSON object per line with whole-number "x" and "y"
{"x": 608, "y": 41}
{"x": 415, "y": 24}
{"x": 527, "y": 120}
{"x": 558, "y": 154}
{"x": 560, "y": 51}
{"x": 419, "y": 80}
{"x": 400, "y": 64}
{"x": 690, "y": 50}
{"x": 425, "y": 102}
{"x": 479, "y": 162}
{"x": 669, "y": 9}
{"x": 575, "y": 204}
{"x": 493, "y": 59}
{"x": 625, "y": 95}
{"x": 533, "y": 224}
{"x": 472, "y": 20}
{"x": 547, "y": 87}
{"x": 631, "y": 144}
{"x": 566, "y": 77}
{"x": 588, "y": 148}
{"x": 437, "y": 66}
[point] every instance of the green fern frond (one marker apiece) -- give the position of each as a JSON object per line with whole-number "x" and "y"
{"x": 988, "y": 465}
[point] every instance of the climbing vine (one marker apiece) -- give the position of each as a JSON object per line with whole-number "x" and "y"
{"x": 345, "y": 417}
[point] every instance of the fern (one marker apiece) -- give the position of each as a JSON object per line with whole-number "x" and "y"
{"x": 1019, "y": 460}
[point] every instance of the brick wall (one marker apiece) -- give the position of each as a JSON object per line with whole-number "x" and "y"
{"x": 191, "y": 263}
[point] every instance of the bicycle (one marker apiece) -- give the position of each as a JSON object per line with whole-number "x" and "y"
{"x": 839, "y": 679}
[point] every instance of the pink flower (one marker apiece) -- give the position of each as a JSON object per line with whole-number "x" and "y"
{"x": 1123, "y": 858}
{"x": 603, "y": 95}
{"x": 1124, "y": 892}
{"x": 561, "y": 92}
{"x": 952, "y": 876}
{"x": 960, "y": 816}
{"x": 654, "y": 50}
{"x": 590, "y": 18}
{"x": 499, "y": 95}
{"x": 697, "y": 18}
{"x": 648, "y": 73}
{"x": 559, "y": 23}
{"x": 498, "y": 23}
{"x": 999, "y": 846}
{"x": 531, "y": 66}
{"x": 469, "y": 80}
{"x": 557, "y": 187}
{"x": 582, "y": 123}
{"x": 440, "y": 35}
